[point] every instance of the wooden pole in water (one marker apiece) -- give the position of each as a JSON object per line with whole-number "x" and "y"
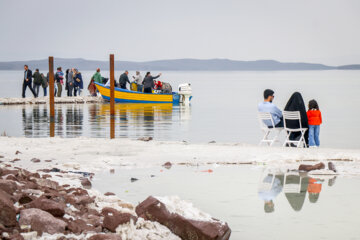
{"x": 112, "y": 98}
{"x": 51, "y": 96}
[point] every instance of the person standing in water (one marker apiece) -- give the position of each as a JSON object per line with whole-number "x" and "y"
{"x": 314, "y": 119}
{"x": 148, "y": 82}
{"x": 27, "y": 81}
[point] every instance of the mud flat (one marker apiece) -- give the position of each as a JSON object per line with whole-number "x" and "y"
{"x": 45, "y": 100}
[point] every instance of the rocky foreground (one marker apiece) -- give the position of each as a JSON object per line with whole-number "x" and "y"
{"x": 33, "y": 206}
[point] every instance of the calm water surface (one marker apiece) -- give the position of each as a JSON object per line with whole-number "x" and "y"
{"x": 256, "y": 204}
{"x": 224, "y": 108}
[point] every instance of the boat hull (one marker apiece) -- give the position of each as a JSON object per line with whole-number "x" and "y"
{"x": 124, "y": 95}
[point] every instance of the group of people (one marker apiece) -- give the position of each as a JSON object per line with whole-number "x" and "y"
{"x": 146, "y": 84}
{"x": 73, "y": 82}
{"x": 310, "y": 119}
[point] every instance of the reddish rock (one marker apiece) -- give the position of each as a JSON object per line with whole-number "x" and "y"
{"x": 17, "y": 152}
{"x": 308, "y": 168}
{"x": 112, "y": 171}
{"x": 47, "y": 183}
{"x": 35, "y": 160}
{"x": 41, "y": 221}
{"x": 11, "y": 177}
{"x": 7, "y": 210}
{"x": 85, "y": 182}
{"x": 113, "y": 218}
{"x": 25, "y": 198}
{"x": 78, "y": 226}
{"x": 8, "y": 186}
{"x": 167, "y": 165}
{"x": 65, "y": 185}
{"x": 48, "y": 160}
{"x": 15, "y": 160}
{"x": 50, "y": 206}
{"x": 154, "y": 210}
{"x": 5, "y": 172}
{"x": 46, "y": 176}
{"x": 107, "y": 236}
{"x": 109, "y": 194}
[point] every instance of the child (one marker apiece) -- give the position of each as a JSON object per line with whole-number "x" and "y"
{"x": 314, "y": 118}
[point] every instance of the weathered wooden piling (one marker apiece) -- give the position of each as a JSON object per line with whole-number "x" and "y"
{"x": 112, "y": 98}
{"x": 51, "y": 96}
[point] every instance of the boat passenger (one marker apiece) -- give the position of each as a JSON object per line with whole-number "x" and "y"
{"x": 138, "y": 80}
{"x": 148, "y": 82}
{"x": 97, "y": 76}
{"x": 124, "y": 79}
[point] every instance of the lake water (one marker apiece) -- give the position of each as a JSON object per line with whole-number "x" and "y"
{"x": 224, "y": 108}
{"x": 256, "y": 204}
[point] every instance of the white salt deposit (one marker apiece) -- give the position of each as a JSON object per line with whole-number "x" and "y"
{"x": 186, "y": 209}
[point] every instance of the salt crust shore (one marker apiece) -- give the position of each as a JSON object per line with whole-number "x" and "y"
{"x": 45, "y": 100}
{"x": 93, "y": 155}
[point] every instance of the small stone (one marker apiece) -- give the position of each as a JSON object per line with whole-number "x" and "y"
{"x": 331, "y": 167}
{"x": 35, "y": 160}
{"x": 106, "y": 236}
{"x": 145, "y": 139}
{"x": 15, "y": 160}
{"x": 133, "y": 179}
{"x": 212, "y": 141}
{"x": 109, "y": 194}
{"x": 167, "y": 165}
{"x": 85, "y": 182}
{"x": 17, "y": 152}
{"x": 48, "y": 160}
{"x": 112, "y": 171}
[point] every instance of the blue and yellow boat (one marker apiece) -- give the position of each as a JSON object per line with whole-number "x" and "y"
{"x": 128, "y": 96}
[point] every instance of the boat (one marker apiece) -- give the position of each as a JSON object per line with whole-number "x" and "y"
{"x": 128, "y": 96}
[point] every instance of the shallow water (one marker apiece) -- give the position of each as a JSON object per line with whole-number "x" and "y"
{"x": 223, "y": 109}
{"x": 298, "y": 206}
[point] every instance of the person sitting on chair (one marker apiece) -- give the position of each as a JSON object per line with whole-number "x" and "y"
{"x": 268, "y": 106}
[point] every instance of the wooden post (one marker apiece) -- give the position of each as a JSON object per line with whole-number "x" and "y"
{"x": 112, "y": 87}
{"x": 112, "y": 98}
{"x": 51, "y": 96}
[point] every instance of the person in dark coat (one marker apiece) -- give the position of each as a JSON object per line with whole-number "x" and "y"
{"x": 296, "y": 103}
{"x": 148, "y": 82}
{"x": 37, "y": 81}
{"x": 27, "y": 81}
{"x": 124, "y": 79}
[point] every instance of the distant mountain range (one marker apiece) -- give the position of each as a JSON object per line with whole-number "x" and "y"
{"x": 176, "y": 65}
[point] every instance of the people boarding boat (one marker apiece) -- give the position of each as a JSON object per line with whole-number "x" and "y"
{"x": 125, "y": 95}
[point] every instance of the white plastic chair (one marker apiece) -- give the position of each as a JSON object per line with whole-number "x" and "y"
{"x": 294, "y": 116}
{"x": 267, "y": 130}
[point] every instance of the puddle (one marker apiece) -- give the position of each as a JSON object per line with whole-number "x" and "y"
{"x": 255, "y": 203}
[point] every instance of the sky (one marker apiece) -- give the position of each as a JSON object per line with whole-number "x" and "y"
{"x": 319, "y": 31}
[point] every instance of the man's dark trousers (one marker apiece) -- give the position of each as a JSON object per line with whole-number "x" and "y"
{"x": 25, "y": 85}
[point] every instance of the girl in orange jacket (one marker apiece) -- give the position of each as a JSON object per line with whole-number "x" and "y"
{"x": 314, "y": 119}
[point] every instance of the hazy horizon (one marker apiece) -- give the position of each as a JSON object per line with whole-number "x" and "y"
{"x": 322, "y": 31}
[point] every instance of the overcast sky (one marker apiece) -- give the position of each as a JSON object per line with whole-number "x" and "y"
{"x": 325, "y": 31}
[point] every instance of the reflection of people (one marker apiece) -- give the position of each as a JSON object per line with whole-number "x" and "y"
{"x": 314, "y": 189}
{"x": 296, "y": 198}
{"x": 268, "y": 106}
{"x": 268, "y": 195}
{"x": 296, "y": 103}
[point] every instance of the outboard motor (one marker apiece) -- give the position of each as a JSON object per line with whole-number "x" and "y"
{"x": 185, "y": 93}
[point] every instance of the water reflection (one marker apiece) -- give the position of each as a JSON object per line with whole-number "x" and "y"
{"x": 295, "y": 185}
{"x": 93, "y": 120}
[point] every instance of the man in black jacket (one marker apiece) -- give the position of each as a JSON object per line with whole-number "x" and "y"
{"x": 27, "y": 81}
{"x": 124, "y": 79}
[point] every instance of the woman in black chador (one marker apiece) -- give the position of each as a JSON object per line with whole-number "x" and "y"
{"x": 296, "y": 103}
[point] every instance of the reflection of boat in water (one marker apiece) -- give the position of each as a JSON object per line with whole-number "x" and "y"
{"x": 124, "y": 95}
{"x": 137, "y": 109}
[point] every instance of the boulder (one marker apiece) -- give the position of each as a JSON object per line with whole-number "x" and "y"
{"x": 113, "y": 218}
{"x": 47, "y": 183}
{"x": 41, "y": 221}
{"x": 107, "y": 236}
{"x": 308, "y": 168}
{"x": 50, "y": 206}
{"x": 154, "y": 210}
{"x": 7, "y": 210}
{"x": 8, "y": 186}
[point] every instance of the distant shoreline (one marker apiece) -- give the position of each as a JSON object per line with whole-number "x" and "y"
{"x": 178, "y": 65}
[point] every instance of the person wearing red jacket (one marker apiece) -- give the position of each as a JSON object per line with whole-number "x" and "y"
{"x": 314, "y": 120}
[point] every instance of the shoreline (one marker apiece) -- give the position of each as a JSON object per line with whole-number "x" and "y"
{"x": 45, "y": 100}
